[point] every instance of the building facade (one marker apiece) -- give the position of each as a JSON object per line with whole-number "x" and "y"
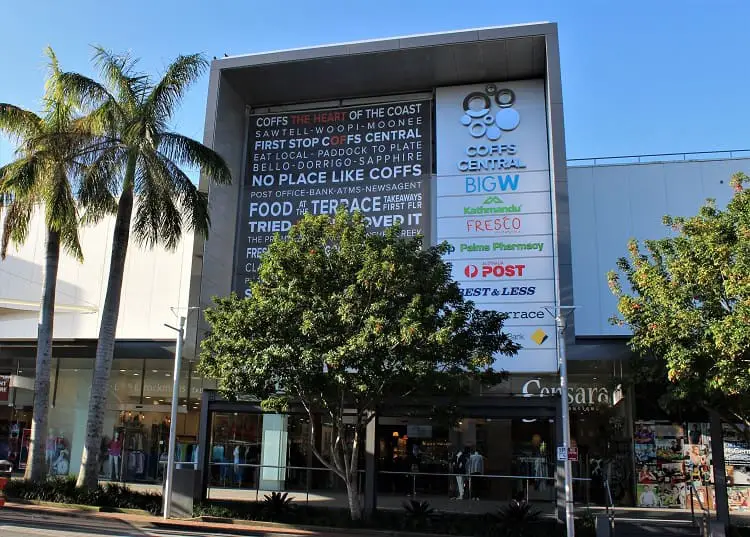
{"x": 155, "y": 282}
{"x": 456, "y": 136}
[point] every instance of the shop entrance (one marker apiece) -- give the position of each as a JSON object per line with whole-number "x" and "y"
{"x": 137, "y": 448}
{"x": 506, "y": 445}
{"x": 481, "y": 459}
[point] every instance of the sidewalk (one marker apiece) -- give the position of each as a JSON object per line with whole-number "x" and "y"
{"x": 249, "y": 528}
{"x": 153, "y": 522}
{"x": 145, "y": 522}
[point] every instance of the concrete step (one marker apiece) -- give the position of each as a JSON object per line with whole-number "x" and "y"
{"x": 654, "y": 528}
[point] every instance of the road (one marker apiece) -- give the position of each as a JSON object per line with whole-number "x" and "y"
{"x": 26, "y": 524}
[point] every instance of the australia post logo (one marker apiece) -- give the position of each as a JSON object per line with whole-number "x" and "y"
{"x": 489, "y": 113}
{"x": 494, "y": 270}
{"x": 492, "y": 205}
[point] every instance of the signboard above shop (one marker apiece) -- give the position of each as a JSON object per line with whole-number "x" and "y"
{"x": 494, "y": 209}
{"x": 374, "y": 158}
{"x": 4, "y": 387}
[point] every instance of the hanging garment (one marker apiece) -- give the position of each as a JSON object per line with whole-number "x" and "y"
{"x": 476, "y": 464}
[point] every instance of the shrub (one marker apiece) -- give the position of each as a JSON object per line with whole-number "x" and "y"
{"x": 276, "y": 506}
{"x": 586, "y": 525}
{"x": 64, "y": 490}
{"x": 418, "y": 514}
{"x": 517, "y": 519}
{"x": 478, "y": 525}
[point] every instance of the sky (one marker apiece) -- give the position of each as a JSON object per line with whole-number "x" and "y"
{"x": 638, "y": 77}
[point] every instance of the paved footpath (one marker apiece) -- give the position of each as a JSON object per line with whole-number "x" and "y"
{"x": 17, "y": 520}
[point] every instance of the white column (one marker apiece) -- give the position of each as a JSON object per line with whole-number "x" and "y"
{"x": 273, "y": 452}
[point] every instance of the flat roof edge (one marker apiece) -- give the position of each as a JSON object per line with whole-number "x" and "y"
{"x": 388, "y": 44}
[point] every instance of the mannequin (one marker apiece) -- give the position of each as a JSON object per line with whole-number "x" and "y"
{"x": 195, "y": 457}
{"x": 237, "y": 468}
{"x": 475, "y": 468}
{"x": 115, "y": 456}
{"x": 462, "y": 461}
{"x": 62, "y": 463}
{"x": 51, "y": 449}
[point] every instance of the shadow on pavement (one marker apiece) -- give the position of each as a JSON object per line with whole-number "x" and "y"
{"x": 76, "y": 523}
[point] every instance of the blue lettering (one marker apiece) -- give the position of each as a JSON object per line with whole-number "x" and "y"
{"x": 491, "y": 183}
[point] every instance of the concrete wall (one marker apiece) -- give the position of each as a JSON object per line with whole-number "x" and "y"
{"x": 154, "y": 281}
{"x": 611, "y": 204}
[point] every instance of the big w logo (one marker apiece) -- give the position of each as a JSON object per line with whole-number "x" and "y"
{"x": 491, "y": 183}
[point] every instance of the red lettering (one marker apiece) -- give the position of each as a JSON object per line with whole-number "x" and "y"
{"x": 300, "y": 119}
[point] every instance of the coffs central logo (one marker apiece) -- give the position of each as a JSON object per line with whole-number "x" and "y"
{"x": 479, "y": 118}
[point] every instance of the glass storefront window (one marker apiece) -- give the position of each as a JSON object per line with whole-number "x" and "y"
{"x": 264, "y": 452}
{"x": 488, "y": 458}
{"x": 236, "y": 450}
{"x": 136, "y": 422}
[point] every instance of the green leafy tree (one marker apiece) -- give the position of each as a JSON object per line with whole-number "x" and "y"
{"x": 39, "y": 180}
{"x": 687, "y": 302}
{"x": 136, "y": 165}
{"x": 343, "y": 322}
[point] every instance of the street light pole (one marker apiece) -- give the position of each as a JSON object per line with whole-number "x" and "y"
{"x": 563, "y": 365}
{"x": 173, "y": 417}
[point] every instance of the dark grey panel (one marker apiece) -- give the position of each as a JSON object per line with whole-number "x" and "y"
{"x": 599, "y": 350}
{"x": 389, "y": 72}
{"x": 375, "y": 158}
{"x": 86, "y": 348}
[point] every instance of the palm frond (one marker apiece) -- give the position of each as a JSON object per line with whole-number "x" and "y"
{"x": 60, "y": 211}
{"x": 170, "y": 90}
{"x": 185, "y": 151}
{"x": 157, "y": 219}
{"x": 99, "y": 182}
{"x": 87, "y": 91}
{"x": 101, "y": 121}
{"x": 16, "y": 225}
{"x": 59, "y": 107}
{"x": 89, "y": 94}
{"x": 19, "y": 178}
{"x": 118, "y": 71}
{"x": 192, "y": 202}
{"x": 19, "y": 123}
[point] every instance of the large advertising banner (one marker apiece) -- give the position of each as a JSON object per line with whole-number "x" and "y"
{"x": 494, "y": 208}
{"x": 374, "y": 158}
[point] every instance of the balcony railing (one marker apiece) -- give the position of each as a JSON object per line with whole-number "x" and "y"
{"x": 660, "y": 157}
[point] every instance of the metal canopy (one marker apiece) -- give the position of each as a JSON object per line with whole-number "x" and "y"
{"x": 388, "y": 66}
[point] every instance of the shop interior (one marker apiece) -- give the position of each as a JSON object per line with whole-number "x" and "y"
{"x": 505, "y": 458}
{"x": 136, "y": 425}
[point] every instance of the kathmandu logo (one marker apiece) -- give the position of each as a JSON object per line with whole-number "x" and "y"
{"x": 492, "y": 205}
{"x": 478, "y": 116}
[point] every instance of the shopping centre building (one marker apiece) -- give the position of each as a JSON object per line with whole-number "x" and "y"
{"x": 456, "y": 136}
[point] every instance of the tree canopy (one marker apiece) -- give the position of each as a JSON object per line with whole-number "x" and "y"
{"x": 343, "y": 321}
{"x": 40, "y": 177}
{"x": 686, "y": 298}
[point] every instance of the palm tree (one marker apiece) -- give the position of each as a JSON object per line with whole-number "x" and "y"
{"x": 39, "y": 179}
{"x": 138, "y": 162}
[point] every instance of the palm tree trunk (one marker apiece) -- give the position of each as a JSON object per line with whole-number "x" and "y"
{"x": 36, "y": 465}
{"x": 105, "y": 348}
